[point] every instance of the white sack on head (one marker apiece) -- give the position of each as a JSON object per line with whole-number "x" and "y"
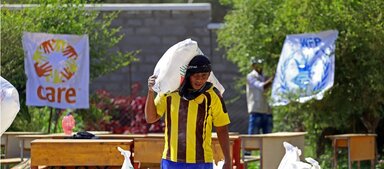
{"x": 172, "y": 66}
{"x": 10, "y": 105}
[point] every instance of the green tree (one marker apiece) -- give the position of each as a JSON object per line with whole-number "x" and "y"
{"x": 259, "y": 27}
{"x": 58, "y": 17}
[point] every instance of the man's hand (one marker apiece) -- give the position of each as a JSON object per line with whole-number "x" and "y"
{"x": 151, "y": 82}
{"x": 268, "y": 82}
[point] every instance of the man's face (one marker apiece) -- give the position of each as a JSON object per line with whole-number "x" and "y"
{"x": 198, "y": 80}
{"x": 257, "y": 67}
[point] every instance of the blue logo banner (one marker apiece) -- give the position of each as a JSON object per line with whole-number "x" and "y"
{"x": 306, "y": 67}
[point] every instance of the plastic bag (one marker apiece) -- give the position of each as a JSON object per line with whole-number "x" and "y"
{"x": 219, "y": 165}
{"x": 10, "y": 104}
{"x": 291, "y": 159}
{"x": 68, "y": 123}
{"x": 84, "y": 135}
{"x": 171, "y": 67}
{"x": 127, "y": 162}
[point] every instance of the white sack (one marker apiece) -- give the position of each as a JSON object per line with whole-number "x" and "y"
{"x": 291, "y": 159}
{"x": 315, "y": 164}
{"x": 172, "y": 66}
{"x": 219, "y": 165}
{"x": 292, "y": 154}
{"x": 127, "y": 162}
{"x": 10, "y": 105}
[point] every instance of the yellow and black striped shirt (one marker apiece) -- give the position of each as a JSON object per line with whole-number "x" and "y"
{"x": 189, "y": 125}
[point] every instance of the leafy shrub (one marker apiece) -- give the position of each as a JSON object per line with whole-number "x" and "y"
{"x": 58, "y": 17}
{"x": 118, "y": 114}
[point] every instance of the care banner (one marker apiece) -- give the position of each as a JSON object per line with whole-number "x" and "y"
{"x": 57, "y": 68}
{"x": 306, "y": 67}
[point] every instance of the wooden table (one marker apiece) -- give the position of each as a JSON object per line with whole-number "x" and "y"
{"x": 11, "y": 143}
{"x": 77, "y": 152}
{"x": 149, "y": 150}
{"x": 26, "y": 139}
{"x": 151, "y": 147}
{"x": 271, "y": 146}
{"x": 360, "y": 147}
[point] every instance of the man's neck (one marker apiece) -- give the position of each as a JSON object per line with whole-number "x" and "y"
{"x": 259, "y": 71}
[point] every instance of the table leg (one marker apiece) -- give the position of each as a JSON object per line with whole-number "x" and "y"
{"x": 334, "y": 154}
{"x": 372, "y": 164}
{"x": 6, "y": 145}
{"x": 349, "y": 155}
{"x": 21, "y": 145}
{"x": 236, "y": 153}
{"x": 358, "y": 164}
{"x": 261, "y": 155}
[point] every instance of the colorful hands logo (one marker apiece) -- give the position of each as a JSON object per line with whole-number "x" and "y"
{"x": 55, "y": 61}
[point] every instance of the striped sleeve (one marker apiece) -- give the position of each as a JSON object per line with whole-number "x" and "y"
{"x": 161, "y": 104}
{"x": 219, "y": 111}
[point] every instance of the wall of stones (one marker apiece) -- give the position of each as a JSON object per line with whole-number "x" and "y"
{"x": 152, "y": 30}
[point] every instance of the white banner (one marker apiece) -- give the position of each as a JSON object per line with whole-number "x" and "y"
{"x": 57, "y": 68}
{"x": 306, "y": 67}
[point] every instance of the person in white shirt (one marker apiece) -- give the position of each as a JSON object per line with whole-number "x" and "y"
{"x": 260, "y": 114}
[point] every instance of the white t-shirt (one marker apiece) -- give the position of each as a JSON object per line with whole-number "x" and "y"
{"x": 256, "y": 100}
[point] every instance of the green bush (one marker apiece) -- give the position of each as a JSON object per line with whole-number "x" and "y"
{"x": 58, "y": 17}
{"x": 355, "y": 103}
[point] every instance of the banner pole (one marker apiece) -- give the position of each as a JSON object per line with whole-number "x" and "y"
{"x": 56, "y": 119}
{"x": 49, "y": 121}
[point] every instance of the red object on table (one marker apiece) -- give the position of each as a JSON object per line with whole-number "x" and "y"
{"x": 68, "y": 123}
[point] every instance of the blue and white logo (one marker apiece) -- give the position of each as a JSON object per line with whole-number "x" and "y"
{"x": 306, "y": 68}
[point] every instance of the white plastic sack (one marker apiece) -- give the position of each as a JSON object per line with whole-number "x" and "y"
{"x": 171, "y": 68}
{"x": 10, "y": 105}
{"x": 219, "y": 165}
{"x": 291, "y": 159}
{"x": 127, "y": 162}
{"x": 313, "y": 162}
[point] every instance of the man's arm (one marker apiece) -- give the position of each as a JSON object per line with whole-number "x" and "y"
{"x": 151, "y": 115}
{"x": 268, "y": 82}
{"x": 222, "y": 133}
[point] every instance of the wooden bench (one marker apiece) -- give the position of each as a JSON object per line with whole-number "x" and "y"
{"x": 77, "y": 152}
{"x": 26, "y": 139}
{"x": 7, "y": 161}
{"x": 11, "y": 143}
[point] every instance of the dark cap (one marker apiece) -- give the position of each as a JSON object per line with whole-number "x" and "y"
{"x": 199, "y": 64}
{"x": 255, "y": 60}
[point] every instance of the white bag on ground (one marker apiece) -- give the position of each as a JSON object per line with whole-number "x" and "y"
{"x": 219, "y": 165}
{"x": 171, "y": 67}
{"x": 127, "y": 162}
{"x": 10, "y": 105}
{"x": 291, "y": 159}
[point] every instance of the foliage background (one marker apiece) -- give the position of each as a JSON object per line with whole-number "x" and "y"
{"x": 356, "y": 101}
{"x": 57, "y": 17}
